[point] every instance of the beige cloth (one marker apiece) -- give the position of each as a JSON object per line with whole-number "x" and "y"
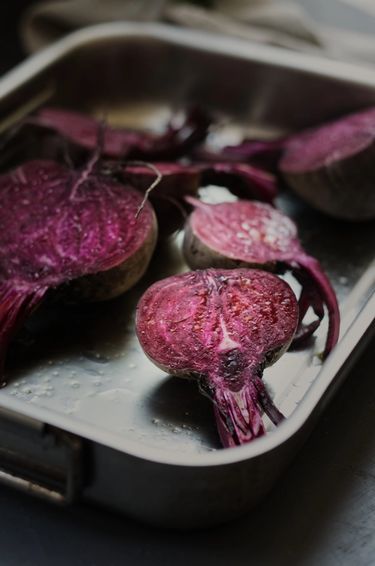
{"x": 276, "y": 22}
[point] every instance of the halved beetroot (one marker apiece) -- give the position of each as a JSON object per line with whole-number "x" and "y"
{"x": 221, "y": 327}
{"x": 332, "y": 166}
{"x": 61, "y": 226}
{"x": 254, "y": 234}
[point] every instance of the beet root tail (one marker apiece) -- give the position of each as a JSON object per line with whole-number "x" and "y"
{"x": 319, "y": 281}
{"x": 237, "y": 416}
{"x": 267, "y": 404}
{"x": 16, "y": 305}
{"x": 309, "y": 297}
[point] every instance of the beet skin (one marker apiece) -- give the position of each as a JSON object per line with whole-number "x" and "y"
{"x": 332, "y": 166}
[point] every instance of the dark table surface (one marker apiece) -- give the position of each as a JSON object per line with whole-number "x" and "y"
{"x": 321, "y": 512}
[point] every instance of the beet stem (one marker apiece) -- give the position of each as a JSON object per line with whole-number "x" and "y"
{"x": 309, "y": 297}
{"x": 303, "y": 334}
{"x": 196, "y": 203}
{"x": 250, "y": 147}
{"x": 242, "y": 179}
{"x": 313, "y": 268}
{"x": 155, "y": 182}
{"x": 263, "y": 153}
{"x": 267, "y": 404}
{"x": 15, "y": 307}
{"x": 92, "y": 161}
{"x": 175, "y": 202}
{"x": 237, "y": 416}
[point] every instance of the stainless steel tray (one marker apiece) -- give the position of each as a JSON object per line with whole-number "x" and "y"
{"x": 85, "y": 413}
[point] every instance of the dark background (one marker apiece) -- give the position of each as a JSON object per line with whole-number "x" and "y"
{"x": 321, "y": 512}
{"x": 11, "y": 51}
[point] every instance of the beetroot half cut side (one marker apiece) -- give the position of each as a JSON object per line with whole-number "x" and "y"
{"x": 67, "y": 227}
{"x": 82, "y": 130}
{"x": 332, "y": 166}
{"x": 254, "y": 234}
{"x": 221, "y": 327}
{"x": 179, "y": 180}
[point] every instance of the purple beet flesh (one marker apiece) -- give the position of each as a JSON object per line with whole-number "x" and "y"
{"x": 221, "y": 327}
{"x": 253, "y": 234}
{"x": 59, "y": 225}
{"x": 332, "y": 166}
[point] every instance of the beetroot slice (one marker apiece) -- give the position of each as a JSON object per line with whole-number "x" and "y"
{"x": 82, "y": 130}
{"x": 221, "y": 327}
{"x": 257, "y": 235}
{"x": 59, "y": 225}
{"x": 332, "y": 166}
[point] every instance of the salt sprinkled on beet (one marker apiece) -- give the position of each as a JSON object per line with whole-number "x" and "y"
{"x": 221, "y": 327}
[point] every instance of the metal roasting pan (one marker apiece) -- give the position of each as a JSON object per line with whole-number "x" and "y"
{"x": 85, "y": 414}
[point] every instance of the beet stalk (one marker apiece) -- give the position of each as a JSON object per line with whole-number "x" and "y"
{"x": 221, "y": 327}
{"x": 330, "y": 166}
{"x": 60, "y": 226}
{"x": 264, "y": 154}
{"x": 180, "y": 180}
{"x": 254, "y": 234}
{"x": 124, "y": 143}
{"x": 167, "y": 199}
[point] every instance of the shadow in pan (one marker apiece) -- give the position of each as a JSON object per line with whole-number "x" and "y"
{"x": 179, "y": 402}
{"x": 96, "y": 331}
{"x": 58, "y": 330}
